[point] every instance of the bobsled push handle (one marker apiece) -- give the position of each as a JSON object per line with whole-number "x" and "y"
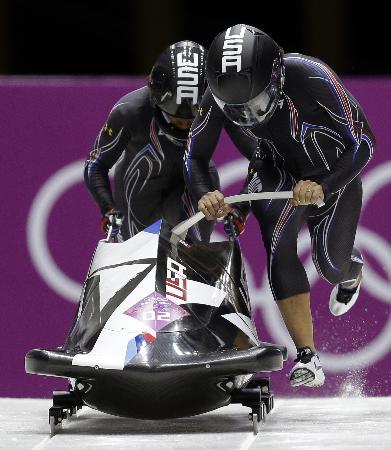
{"x": 180, "y": 230}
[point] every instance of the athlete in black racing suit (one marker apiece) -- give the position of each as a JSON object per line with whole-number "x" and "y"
{"x": 146, "y": 134}
{"x": 314, "y": 139}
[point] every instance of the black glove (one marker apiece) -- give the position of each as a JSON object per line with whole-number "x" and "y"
{"x": 234, "y": 223}
{"x": 114, "y": 218}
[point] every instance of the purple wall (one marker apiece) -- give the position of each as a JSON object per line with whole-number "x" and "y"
{"x": 48, "y": 124}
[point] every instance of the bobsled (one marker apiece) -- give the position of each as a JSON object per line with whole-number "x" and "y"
{"x": 163, "y": 330}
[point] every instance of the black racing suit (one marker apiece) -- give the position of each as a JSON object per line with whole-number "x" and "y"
{"x": 318, "y": 132}
{"x": 148, "y": 177}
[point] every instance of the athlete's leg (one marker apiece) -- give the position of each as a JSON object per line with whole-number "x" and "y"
{"x": 333, "y": 231}
{"x": 280, "y": 224}
{"x": 296, "y": 312}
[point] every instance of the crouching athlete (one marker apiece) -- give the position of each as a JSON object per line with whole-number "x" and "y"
{"x": 314, "y": 139}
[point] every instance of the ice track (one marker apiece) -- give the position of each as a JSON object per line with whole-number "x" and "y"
{"x": 332, "y": 423}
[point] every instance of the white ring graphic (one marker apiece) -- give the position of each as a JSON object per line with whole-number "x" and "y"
{"x": 37, "y": 221}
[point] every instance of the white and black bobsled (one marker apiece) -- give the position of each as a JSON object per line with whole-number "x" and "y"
{"x": 163, "y": 330}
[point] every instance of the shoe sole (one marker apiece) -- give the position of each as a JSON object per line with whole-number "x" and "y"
{"x": 344, "y": 308}
{"x": 304, "y": 377}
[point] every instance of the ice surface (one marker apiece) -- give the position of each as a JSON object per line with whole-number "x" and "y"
{"x": 324, "y": 423}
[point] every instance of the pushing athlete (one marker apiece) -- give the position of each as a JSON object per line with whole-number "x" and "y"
{"x": 313, "y": 138}
{"x": 146, "y": 134}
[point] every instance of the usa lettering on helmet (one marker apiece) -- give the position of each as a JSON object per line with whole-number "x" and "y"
{"x": 232, "y": 50}
{"x": 187, "y": 76}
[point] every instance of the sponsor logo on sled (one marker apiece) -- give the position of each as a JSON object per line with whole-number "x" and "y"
{"x": 156, "y": 311}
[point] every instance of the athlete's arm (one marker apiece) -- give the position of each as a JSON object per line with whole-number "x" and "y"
{"x": 108, "y": 147}
{"x": 349, "y": 121}
{"x": 203, "y": 138}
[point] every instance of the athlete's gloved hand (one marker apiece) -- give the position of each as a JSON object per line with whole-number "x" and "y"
{"x": 234, "y": 222}
{"x": 112, "y": 217}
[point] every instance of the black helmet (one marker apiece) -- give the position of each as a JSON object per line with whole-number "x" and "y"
{"x": 245, "y": 74}
{"x": 177, "y": 83}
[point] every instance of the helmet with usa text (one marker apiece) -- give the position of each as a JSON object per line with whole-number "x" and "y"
{"x": 245, "y": 73}
{"x": 176, "y": 83}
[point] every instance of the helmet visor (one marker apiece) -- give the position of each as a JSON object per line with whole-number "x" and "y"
{"x": 256, "y": 110}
